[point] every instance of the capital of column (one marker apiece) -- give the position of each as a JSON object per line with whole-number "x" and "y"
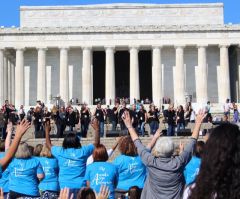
{"x": 133, "y": 48}
{"x": 86, "y": 47}
{"x": 202, "y": 45}
{"x": 223, "y": 45}
{"x": 43, "y": 48}
{"x": 64, "y": 48}
{"x": 179, "y": 46}
{"x": 157, "y": 46}
{"x": 20, "y": 48}
{"x": 110, "y": 48}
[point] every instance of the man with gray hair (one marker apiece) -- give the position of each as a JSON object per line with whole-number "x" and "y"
{"x": 164, "y": 147}
{"x": 165, "y": 173}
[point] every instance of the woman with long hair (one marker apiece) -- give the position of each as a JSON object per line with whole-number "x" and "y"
{"x": 24, "y": 174}
{"x": 101, "y": 172}
{"x": 49, "y": 185}
{"x": 220, "y": 168}
{"x": 153, "y": 119}
{"x": 72, "y": 158}
{"x": 180, "y": 118}
{"x": 131, "y": 170}
{"x": 7, "y": 150}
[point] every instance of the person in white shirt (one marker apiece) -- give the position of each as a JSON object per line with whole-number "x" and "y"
{"x": 227, "y": 108}
{"x": 109, "y": 151}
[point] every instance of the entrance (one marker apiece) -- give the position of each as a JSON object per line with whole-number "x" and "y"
{"x": 98, "y": 75}
{"x": 145, "y": 74}
{"x": 122, "y": 64}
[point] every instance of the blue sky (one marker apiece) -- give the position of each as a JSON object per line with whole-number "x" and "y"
{"x": 9, "y": 9}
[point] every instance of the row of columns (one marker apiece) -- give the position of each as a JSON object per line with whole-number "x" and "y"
{"x": 8, "y": 75}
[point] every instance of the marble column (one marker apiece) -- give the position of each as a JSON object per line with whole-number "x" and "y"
{"x": 19, "y": 78}
{"x": 134, "y": 74}
{"x": 179, "y": 79}
{"x": 64, "y": 81}
{"x": 87, "y": 83}
{"x": 26, "y": 85}
{"x": 70, "y": 77}
{"x": 9, "y": 81}
{"x": 13, "y": 82}
{"x": 41, "y": 75}
{"x": 1, "y": 77}
{"x": 49, "y": 84}
{"x": 5, "y": 77}
{"x": 157, "y": 93}
{"x": 110, "y": 76}
{"x": 201, "y": 72}
{"x": 224, "y": 75}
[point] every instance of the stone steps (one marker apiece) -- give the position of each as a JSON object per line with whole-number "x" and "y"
{"x": 108, "y": 142}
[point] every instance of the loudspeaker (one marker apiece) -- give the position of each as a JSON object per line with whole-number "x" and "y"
{"x": 184, "y": 132}
{"x": 67, "y": 132}
{"x": 164, "y": 132}
{"x": 116, "y": 133}
{"x": 40, "y": 134}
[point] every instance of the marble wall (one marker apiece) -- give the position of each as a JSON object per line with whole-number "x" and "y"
{"x": 121, "y": 15}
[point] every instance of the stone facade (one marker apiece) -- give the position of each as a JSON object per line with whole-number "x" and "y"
{"x": 193, "y": 51}
{"x": 122, "y": 15}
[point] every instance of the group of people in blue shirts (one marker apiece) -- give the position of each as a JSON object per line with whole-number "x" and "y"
{"x": 43, "y": 175}
{"x": 71, "y": 165}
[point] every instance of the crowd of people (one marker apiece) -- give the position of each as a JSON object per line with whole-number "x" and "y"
{"x": 69, "y": 118}
{"x": 159, "y": 170}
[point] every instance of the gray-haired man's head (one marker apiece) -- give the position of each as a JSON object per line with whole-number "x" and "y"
{"x": 164, "y": 147}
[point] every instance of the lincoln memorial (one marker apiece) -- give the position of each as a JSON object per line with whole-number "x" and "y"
{"x": 120, "y": 50}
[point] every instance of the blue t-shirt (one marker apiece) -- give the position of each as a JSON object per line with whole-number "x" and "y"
{"x": 191, "y": 170}
{"x": 23, "y": 176}
{"x": 102, "y": 173}
{"x": 131, "y": 170}
{"x": 51, "y": 169}
{"x": 4, "y": 177}
{"x": 72, "y": 165}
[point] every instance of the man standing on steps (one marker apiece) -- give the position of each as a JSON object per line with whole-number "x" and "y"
{"x": 99, "y": 114}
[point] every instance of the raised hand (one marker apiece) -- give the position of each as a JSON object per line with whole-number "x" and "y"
{"x": 47, "y": 127}
{"x": 104, "y": 192}
{"x": 95, "y": 124}
{"x": 1, "y": 194}
{"x": 9, "y": 127}
{"x": 158, "y": 133}
{"x": 119, "y": 139}
{"x": 22, "y": 128}
{"x": 198, "y": 121}
{"x": 64, "y": 194}
{"x": 127, "y": 119}
{"x": 181, "y": 147}
{"x": 200, "y": 116}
